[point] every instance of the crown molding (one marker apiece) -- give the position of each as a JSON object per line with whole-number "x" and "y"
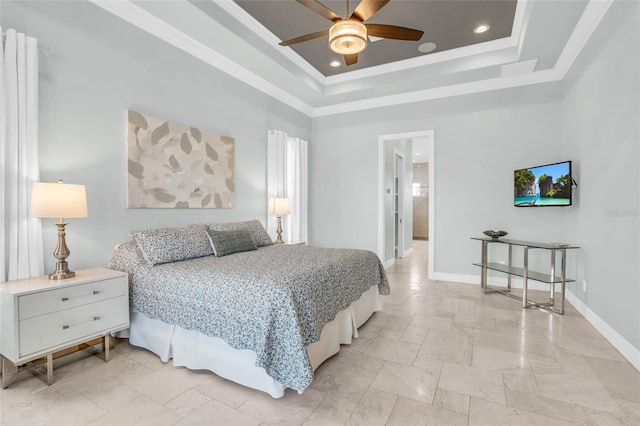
{"x": 589, "y": 21}
{"x": 591, "y": 17}
{"x": 147, "y": 22}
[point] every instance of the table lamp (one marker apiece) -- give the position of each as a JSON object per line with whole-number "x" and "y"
{"x": 279, "y": 207}
{"x": 59, "y": 200}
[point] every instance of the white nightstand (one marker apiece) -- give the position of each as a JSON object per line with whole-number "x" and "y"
{"x": 40, "y": 316}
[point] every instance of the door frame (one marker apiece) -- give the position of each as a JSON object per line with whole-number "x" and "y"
{"x": 430, "y": 134}
{"x": 398, "y": 226}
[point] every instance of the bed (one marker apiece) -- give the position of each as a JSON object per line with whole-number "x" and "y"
{"x": 265, "y": 317}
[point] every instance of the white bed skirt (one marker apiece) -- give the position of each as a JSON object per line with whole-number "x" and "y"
{"x": 197, "y": 351}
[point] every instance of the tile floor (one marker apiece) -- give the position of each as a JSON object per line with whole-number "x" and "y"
{"x": 439, "y": 353}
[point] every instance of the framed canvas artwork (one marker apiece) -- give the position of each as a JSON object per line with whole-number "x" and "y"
{"x": 172, "y": 165}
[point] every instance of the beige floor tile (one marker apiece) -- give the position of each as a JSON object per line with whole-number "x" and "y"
{"x": 475, "y": 322}
{"x": 457, "y": 306}
{"x": 521, "y": 381}
{"x": 140, "y": 411}
{"x": 414, "y": 334}
{"x": 512, "y": 343}
{"x": 432, "y": 322}
{"x": 578, "y": 390}
{"x": 342, "y": 380}
{"x": 335, "y": 409}
{"x": 604, "y": 418}
{"x": 452, "y": 401}
{"x": 472, "y": 381}
{"x": 317, "y": 420}
{"x": 386, "y": 321}
{"x": 630, "y": 408}
{"x": 105, "y": 392}
{"x": 187, "y": 403}
{"x": 407, "y": 381}
{"x": 373, "y": 409}
{"x": 486, "y": 413}
{"x": 214, "y": 412}
{"x": 167, "y": 383}
{"x": 394, "y": 350}
{"x": 219, "y": 389}
{"x": 494, "y": 359}
{"x": 555, "y": 409}
{"x": 58, "y": 404}
{"x": 348, "y": 356}
{"x": 410, "y": 412}
{"x": 620, "y": 378}
{"x": 292, "y": 408}
{"x": 452, "y": 346}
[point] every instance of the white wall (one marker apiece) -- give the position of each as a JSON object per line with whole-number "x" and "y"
{"x": 101, "y": 66}
{"x": 601, "y": 132}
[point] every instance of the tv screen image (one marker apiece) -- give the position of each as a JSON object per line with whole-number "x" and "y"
{"x": 543, "y": 186}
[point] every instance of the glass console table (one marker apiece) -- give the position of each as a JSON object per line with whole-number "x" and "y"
{"x": 524, "y": 271}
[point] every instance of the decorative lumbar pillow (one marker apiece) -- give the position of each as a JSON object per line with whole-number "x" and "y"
{"x": 164, "y": 245}
{"x": 260, "y": 236}
{"x": 229, "y": 242}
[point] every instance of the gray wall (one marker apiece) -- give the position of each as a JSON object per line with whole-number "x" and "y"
{"x": 101, "y": 66}
{"x": 601, "y": 128}
{"x": 479, "y": 140}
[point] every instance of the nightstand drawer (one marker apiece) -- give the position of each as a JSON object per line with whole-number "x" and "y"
{"x": 55, "y": 329}
{"x": 45, "y": 302}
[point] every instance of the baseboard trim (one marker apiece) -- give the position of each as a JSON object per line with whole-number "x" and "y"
{"x": 627, "y": 350}
{"x": 388, "y": 263}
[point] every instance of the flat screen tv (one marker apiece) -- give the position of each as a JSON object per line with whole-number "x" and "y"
{"x": 543, "y": 186}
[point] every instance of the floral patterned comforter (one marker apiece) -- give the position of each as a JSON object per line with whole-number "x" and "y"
{"x": 273, "y": 301}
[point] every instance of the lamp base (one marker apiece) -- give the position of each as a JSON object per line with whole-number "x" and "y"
{"x": 62, "y": 275}
{"x": 279, "y": 240}
{"x": 61, "y": 253}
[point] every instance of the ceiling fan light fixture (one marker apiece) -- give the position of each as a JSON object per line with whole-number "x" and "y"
{"x": 348, "y": 37}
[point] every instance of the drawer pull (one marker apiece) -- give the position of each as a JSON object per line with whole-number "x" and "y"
{"x": 96, "y": 291}
{"x": 65, "y": 299}
{"x": 96, "y": 318}
{"x": 64, "y": 327}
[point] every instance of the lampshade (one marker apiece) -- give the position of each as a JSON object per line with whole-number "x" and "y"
{"x": 58, "y": 200}
{"x": 279, "y": 206}
{"x": 347, "y": 37}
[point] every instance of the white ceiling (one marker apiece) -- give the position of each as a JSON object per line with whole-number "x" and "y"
{"x": 547, "y": 36}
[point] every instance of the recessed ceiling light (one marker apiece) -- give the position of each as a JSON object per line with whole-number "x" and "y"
{"x": 427, "y": 47}
{"x": 335, "y": 63}
{"x": 481, "y": 29}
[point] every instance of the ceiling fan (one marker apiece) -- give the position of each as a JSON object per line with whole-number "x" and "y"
{"x": 348, "y": 35}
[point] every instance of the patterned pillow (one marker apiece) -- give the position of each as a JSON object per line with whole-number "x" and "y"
{"x": 260, "y": 236}
{"x": 229, "y": 242}
{"x": 164, "y": 245}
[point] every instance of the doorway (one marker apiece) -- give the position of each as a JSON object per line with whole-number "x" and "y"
{"x": 386, "y": 211}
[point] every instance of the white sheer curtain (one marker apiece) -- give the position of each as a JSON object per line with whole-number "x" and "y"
{"x": 287, "y": 177}
{"x": 21, "y": 248}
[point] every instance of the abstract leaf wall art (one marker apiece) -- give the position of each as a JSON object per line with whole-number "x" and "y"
{"x": 172, "y": 165}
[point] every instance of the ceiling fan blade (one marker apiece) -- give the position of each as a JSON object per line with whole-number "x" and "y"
{"x": 367, "y": 8}
{"x": 351, "y": 59}
{"x": 393, "y": 32}
{"x": 305, "y": 37}
{"x": 320, "y": 9}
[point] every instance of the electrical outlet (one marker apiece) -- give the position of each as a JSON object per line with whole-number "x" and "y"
{"x": 502, "y": 262}
{"x": 584, "y": 285}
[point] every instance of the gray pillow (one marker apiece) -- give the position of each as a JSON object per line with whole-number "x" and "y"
{"x": 260, "y": 236}
{"x": 164, "y": 245}
{"x": 229, "y": 242}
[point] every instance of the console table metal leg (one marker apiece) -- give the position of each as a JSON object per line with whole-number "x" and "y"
{"x": 553, "y": 275}
{"x": 563, "y": 263}
{"x": 524, "y": 277}
{"x": 509, "y": 275}
{"x": 483, "y": 278}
